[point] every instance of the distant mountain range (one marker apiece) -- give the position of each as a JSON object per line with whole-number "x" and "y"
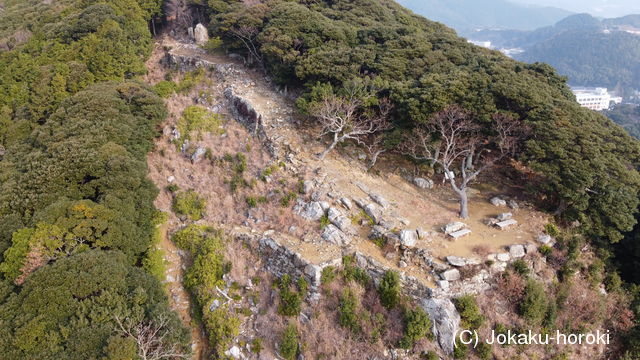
{"x": 591, "y": 52}
{"x": 464, "y": 15}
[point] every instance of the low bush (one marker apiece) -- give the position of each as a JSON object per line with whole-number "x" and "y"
{"x": 534, "y": 303}
{"x": 389, "y": 289}
{"x": 470, "y": 315}
{"x": 290, "y": 299}
{"x": 190, "y": 204}
{"x": 328, "y": 275}
{"x": 348, "y": 311}
{"x": 289, "y": 344}
{"x": 165, "y": 88}
{"x": 520, "y": 267}
{"x": 417, "y": 325}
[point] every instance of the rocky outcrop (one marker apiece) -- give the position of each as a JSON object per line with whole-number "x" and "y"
{"x": 446, "y": 321}
{"x": 243, "y": 111}
{"x": 423, "y": 183}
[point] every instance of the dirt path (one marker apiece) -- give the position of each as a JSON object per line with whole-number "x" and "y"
{"x": 175, "y": 261}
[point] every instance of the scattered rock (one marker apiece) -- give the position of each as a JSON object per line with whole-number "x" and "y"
{"x": 325, "y": 206}
{"x": 503, "y": 257}
{"x": 453, "y": 227}
{"x": 171, "y": 179}
{"x": 408, "y": 238}
{"x": 214, "y": 305}
{"x": 513, "y": 205}
{"x": 450, "y": 275}
{"x": 307, "y": 186}
{"x": 496, "y": 201}
{"x": 499, "y": 266}
{"x": 373, "y": 212}
{"x": 379, "y": 200}
{"x": 544, "y": 239}
{"x": 423, "y": 183}
{"x": 516, "y": 251}
{"x": 444, "y": 284}
{"x": 505, "y": 216}
{"x": 421, "y": 234}
{"x": 198, "y": 154}
{"x": 200, "y": 34}
{"x": 234, "y": 352}
{"x": 456, "y": 261}
{"x": 530, "y": 248}
{"x": 347, "y": 203}
{"x": 402, "y": 264}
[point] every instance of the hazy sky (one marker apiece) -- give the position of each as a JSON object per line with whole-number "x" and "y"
{"x": 603, "y": 8}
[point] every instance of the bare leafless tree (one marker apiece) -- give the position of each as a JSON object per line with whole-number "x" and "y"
{"x": 452, "y": 140}
{"x": 150, "y": 338}
{"x": 247, "y": 35}
{"x": 345, "y": 118}
{"x": 375, "y": 142}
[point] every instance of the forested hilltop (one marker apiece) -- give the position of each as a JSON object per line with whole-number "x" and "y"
{"x": 423, "y": 67}
{"x": 79, "y": 266}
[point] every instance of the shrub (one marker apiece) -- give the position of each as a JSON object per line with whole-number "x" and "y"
{"x": 534, "y": 303}
{"x": 470, "y": 315}
{"x": 214, "y": 44}
{"x": 545, "y": 250}
{"x": 324, "y": 221}
{"x": 416, "y": 326}
{"x": 221, "y": 326}
{"x": 190, "y": 204}
{"x": 551, "y": 230}
{"x": 595, "y": 271}
{"x": 352, "y": 272}
{"x": 389, "y": 289}
{"x": 198, "y": 119}
{"x": 256, "y": 346}
{"x": 484, "y": 351}
{"x": 460, "y": 352}
{"x": 348, "y": 317}
{"x": 286, "y": 200}
{"x": 251, "y": 201}
{"x": 165, "y": 88}
{"x": 289, "y": 344}
{"x": 613, "y": 282}
{"x": 328, "y": 275}
{"x": 190, "y": 80}
{"x": 520, "y": 267}
{"x": 429, "y": 355}
{"x": 173, "y": 188}
{"x": 290, "y": 300}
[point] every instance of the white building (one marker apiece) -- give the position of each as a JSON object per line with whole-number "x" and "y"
{"x": 594, "y": 98}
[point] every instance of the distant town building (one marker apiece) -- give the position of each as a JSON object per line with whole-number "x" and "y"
{"x": 594, "y": 98}
{"x": 484, "y": 44}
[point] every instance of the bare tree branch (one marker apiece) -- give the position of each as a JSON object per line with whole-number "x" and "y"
{"x": 150, "y": 339}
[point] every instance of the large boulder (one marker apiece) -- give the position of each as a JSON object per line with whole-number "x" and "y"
{"x": 516, "y": 251}
{"x": 335, "y": 236}
{"x": 446, "y": 321}
{"x": 340, "y": 221}
{"x": 200, "y": 34}
{"x": 450, "y": 275}
{"x": 456, "y": 261}
{"x": 408, "y": 238}
{"x": 312, "y": 211}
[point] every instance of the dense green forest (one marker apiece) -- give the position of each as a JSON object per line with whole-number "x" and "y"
{"x": 77, "y": 221}
{"x": 627, "y": 116}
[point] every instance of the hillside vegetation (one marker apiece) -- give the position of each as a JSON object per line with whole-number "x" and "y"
{"x": 77, "y": 221}
{"x": 423, "y": 67}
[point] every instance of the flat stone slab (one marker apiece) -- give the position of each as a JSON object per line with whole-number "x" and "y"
{"x": 456, "y": 261}
{"x": 460, "y": 233}
{"x": 505, "y": 224}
